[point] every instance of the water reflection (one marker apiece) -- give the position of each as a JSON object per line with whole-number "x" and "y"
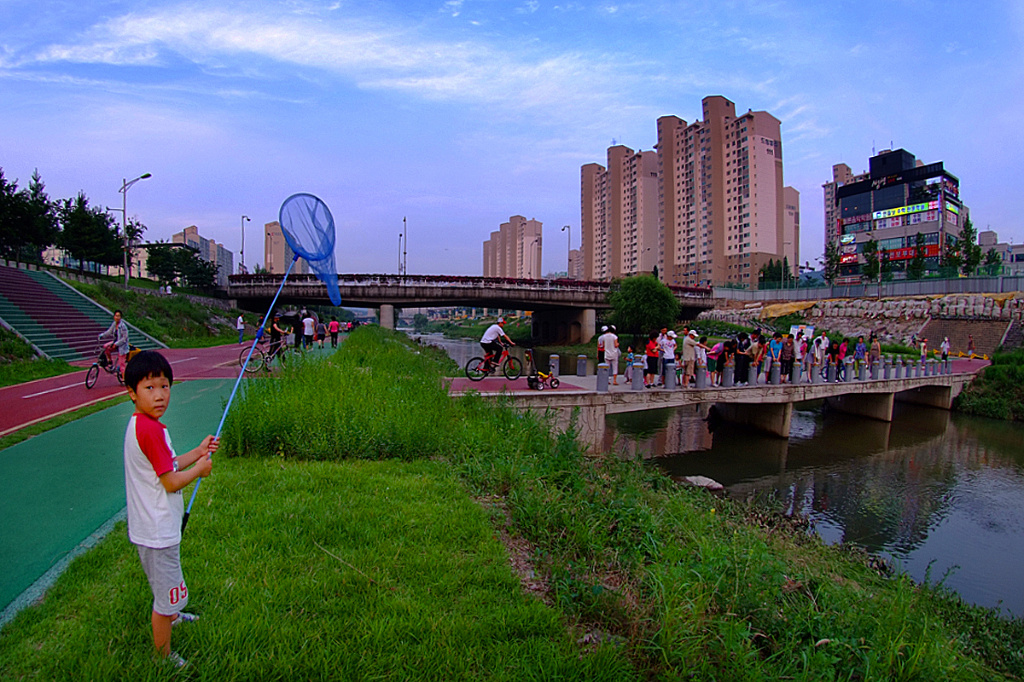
{"x": 931, "y": 490}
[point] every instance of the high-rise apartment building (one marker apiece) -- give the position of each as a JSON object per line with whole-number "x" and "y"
{"x": 619, "y": 214}
{"x": 277, "y": 255}
{"x": 208, "y": 250}
{"x": 899, "y": 198}
{"x": 723, "y": 212}
{"x": 515, "y": 249}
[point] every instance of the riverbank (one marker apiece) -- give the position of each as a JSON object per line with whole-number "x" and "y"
{"x": 406, "y": 534}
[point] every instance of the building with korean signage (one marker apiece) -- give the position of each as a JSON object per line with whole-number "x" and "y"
{"x": 902, "y": 204}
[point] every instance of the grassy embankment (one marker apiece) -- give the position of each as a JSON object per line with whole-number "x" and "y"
{"x": 998, "y": 391}
{"x": 19, "y": 363}
{"x": 175, "y": 320}
{"x": 362, "y": 526}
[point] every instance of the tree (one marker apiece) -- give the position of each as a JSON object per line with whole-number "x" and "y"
{"x": 915, "y": 269}
{"x": 993, "y": 261}
{"x": 162, "y": 263}
{"x": 952, "y": 258}
{"x": 198, "y": 273}
{"x": 642, "y": 303}
{"x": 88, "y": 233}
{"x": 872, "y": 265}
{"x": 970, "y": 252}
{"x": 420, "y": 322}
{"x": 13, "y": 213}
{"x": 831, "y": 262}
{"x": 42, "y": 227}
{"x": 135, "y": 229}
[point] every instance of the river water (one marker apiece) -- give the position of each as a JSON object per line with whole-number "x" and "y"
{"x": 939, "y": 494}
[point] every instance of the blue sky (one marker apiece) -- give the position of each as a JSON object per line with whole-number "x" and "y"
{"x": 458, "y": 114}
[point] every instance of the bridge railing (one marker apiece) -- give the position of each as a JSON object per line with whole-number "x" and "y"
{"x": 458, "y": 280}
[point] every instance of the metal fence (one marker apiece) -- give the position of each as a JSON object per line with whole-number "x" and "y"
{"x": 924, "y": 287}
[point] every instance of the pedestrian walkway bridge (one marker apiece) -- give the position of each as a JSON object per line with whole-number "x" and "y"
{"x": 768, "y": 408}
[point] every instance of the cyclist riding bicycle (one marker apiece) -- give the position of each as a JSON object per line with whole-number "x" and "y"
{"x": 276, "y": 334}
{"x": 491, "y": 343}
{"x": 118, "y": 335}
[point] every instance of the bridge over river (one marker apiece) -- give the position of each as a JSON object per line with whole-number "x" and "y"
{"x": 768, "y": 408}
{"x": 563, "y": 310}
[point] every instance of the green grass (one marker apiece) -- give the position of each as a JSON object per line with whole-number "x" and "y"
{"x": 175, "y": 320}
{"x": 19, "y": 363}
{"x": 998, "y": 391}
{"x": 339, "y": 538}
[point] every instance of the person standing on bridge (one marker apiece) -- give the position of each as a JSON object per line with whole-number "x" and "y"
{"x": 491, "y": 343}
{"x": 608, "y": 343}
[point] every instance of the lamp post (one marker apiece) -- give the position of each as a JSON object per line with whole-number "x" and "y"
{"x": 125, "y": 185}
{"x": 568, "y": 256}
{"x": 241, "y": 251}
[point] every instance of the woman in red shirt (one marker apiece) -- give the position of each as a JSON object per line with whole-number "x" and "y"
{"x": 651, "y": 351}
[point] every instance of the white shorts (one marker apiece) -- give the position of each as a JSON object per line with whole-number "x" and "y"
{"x": 163, "y": 570}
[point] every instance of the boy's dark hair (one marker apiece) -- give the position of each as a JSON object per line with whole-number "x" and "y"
{"x": 146, "y": 363}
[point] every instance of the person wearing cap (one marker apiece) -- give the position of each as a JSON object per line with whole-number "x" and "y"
{"x": 600, "y": 345}
{"x": 608, "y": 345}
{"x": 689, "y": 356}
{"x": 491, "y": 340}
{"x": 668, "y": 355}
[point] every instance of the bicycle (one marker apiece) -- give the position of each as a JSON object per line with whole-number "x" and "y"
{"x": 511, "y": 366}
{"x": 537, "y": 379}
{"x": 263, "y": 354}
{"x": 108, "y": 366}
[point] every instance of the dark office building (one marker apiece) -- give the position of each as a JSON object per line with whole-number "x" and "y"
{"x": 897, "y": 199}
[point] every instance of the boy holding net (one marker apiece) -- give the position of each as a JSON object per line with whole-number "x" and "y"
{"x": 154, "y": 477}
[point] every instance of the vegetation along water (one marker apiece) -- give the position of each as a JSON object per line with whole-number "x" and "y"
{"x": 365, "y": 525}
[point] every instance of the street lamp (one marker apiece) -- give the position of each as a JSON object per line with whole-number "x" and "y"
{"x": 241, "y": 251}
{"x": 125, "y": 185}
{"x": 568, "y": 265}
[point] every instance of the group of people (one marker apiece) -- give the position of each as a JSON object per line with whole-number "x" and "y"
{"x": 307, "y": 330}
{"x": 750, "y": 355}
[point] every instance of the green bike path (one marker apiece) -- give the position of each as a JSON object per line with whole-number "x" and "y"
{"x": 67, "y": 484}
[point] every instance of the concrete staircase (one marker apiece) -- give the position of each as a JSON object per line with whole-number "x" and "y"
{"x": 988, "y": 334}
{"x": 57, "y": 320}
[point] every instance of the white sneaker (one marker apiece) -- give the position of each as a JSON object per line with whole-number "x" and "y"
{"x": 175, "y": 659}
{"x": 184, "y": 617}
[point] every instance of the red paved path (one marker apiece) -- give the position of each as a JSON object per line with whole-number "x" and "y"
{"x": 35, "y": 401}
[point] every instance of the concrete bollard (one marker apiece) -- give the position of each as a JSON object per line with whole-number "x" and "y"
{"x": 949, "y": 366}
{"x": 862, "y": 371}
{"x": 832, "y": 371}
{"x": 701, "y": 377}
{"x": 581, "y": 365}
{"x": 815, "y": 373}
{"x": 887, "y": 369}
{"x": 848, "y": 371}
{"x": 752, "y": 374}
{"x": 775, "y": 374}
{"x": 728, "y": 376}
{"x": 897, "y": 369}
{"x": 602, "y": 377}
{"x": 638, "y": 376}
{"x": 876, "y": 370}
{"x": 670, "y": 375}
{"x": 553, "y": 365}
{"x": 794, "y": 374}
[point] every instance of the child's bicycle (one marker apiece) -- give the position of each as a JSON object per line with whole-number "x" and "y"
{"x": 537, "y": 379}
{"x": 511, "y": 366}
{"x": 108, "y": 366}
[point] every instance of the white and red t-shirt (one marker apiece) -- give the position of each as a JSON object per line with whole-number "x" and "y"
{"x": 154, "y": 515}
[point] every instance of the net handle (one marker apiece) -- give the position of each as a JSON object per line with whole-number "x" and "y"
{"x": 241, "y": 373}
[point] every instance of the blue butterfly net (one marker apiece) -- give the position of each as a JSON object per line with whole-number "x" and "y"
{"x": 308, "y": 227}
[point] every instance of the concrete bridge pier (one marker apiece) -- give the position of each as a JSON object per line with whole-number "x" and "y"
{"x": 386, "y": 315}
{"x": 564, "y": 326}
{"x": 871, "y": 405}
{"x": 773, "y": 418}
